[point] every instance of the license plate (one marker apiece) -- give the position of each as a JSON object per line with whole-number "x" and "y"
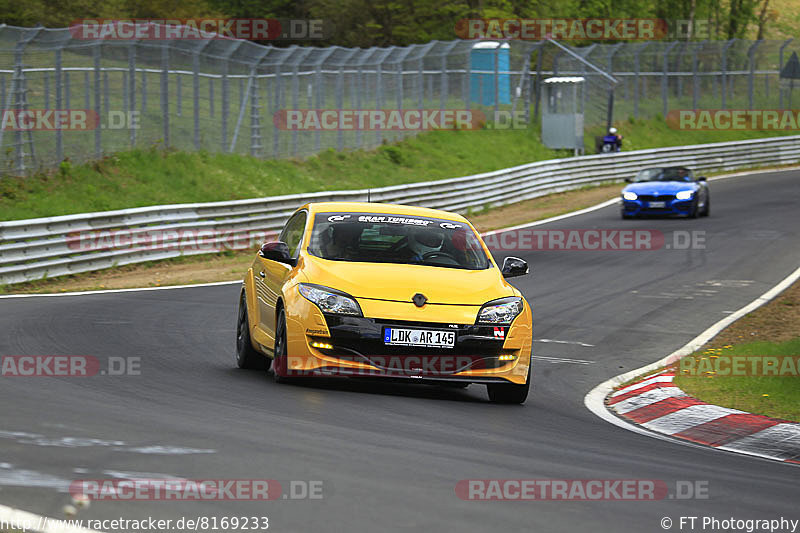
{"x": 419, "y": 337}
{"x": 657, "y": 205}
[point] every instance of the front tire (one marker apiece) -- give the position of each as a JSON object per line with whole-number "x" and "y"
{"x": 695, "y": 210}
{"x": 706, "y": 208}
{"x": 246, "y": 356}
{"x": 280, "y": 358}
{"x": 510, "y": 392}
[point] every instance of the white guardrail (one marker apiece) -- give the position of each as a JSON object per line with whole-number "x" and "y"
{"x": 54, "y": 246}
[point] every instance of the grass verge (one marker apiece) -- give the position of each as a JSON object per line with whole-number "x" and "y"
{"x": 151, "y": 176}
{"x": 771, "y": 330}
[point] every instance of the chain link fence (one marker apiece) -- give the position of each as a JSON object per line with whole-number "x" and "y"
{"x": 222, "y": 95}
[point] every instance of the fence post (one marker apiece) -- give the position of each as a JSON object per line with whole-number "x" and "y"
{"x": 725, "y": 72}
{"x": 165, "y": 92}
{"x": 421, "y": 82}
{"x": 224, "y": 106}
{"x": 467, "y": 83}
{"x": 255, "y": 118}
{"x": 497, "y": 79}
{"x": 340, "y": 104}
{"x": 86, "y": 90}
{"x": 538, "y": 88}
{"x": 276, "y": 108}
{"x": 379, "y": 97}
{"x": 678, "y": 69}
{"x": 98, "y": 151}
{"x": 295, "y": 90}
{"x": 665, "y": 79}
{"x": 106, "y": 103}
{"x": 751, "y": 52}
{"x": 359, "y": 88}
{"x": 179, "y": 93}
{"x": 17, "y": 93}
{"x": 58, "y": 78}
{"x": 131, "y": 91}
{"x": 196, "y": 93}
{"x": 695, "y": 77}
{"x": 780, "y": 67}
{"x": 210, "y": 96}
{"x": 3, "y": 105}
{"x": 636, "y": 81}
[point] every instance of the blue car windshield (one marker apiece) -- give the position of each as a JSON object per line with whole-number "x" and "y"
{"x": 664, "y": 174}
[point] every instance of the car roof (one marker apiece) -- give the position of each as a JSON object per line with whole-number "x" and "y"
{"x": 374, "y": 207}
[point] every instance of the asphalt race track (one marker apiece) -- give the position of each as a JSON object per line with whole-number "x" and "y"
{"x": 389, "y": 456}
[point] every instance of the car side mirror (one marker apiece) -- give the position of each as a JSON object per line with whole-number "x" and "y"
{"x": 514, "y": 266}
{"x": 701, "y": 178}
{"x": 277, "y": 251}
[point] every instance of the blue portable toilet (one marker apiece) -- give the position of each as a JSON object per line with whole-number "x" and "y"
{"x": 482, "y": 87}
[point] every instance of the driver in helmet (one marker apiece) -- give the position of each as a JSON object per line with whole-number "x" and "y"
{"x": 422, "y": 241}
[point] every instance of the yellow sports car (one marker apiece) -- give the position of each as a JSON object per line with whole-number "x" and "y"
{"x": 385, "y": 291}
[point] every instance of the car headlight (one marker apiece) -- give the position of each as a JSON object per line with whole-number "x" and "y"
{"x": 500, "y": 312}
{"x": 330, "y": 300}
{"x": 684, "y": 195}
{"x": 628, "y": 195}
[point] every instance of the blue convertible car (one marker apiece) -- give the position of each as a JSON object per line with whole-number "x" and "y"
{"x": 666, "y": 191}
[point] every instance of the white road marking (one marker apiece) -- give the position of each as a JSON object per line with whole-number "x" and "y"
{"x": 563, "y": 360}
{"x": 564, "y": 342}
{"x": 113, "y": 291}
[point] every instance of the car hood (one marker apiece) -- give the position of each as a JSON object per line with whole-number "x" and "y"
{"x": 661, "y": 187}
{"x": 394, "y": 282}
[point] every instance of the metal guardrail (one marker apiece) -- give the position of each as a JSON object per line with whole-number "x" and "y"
{"x": 53, "y": 246}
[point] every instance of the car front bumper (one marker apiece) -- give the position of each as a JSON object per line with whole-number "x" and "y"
{"x": 355, "y": 347}
{"x": 670, "y": 207}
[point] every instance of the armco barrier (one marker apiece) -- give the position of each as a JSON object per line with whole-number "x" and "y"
{"x": 41, "y": 247}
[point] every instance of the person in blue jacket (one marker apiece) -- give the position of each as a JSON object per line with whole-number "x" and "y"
{"x": 612, "y": 142}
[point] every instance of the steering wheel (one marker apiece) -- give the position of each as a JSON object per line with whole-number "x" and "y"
{"x": 428, "y": 255}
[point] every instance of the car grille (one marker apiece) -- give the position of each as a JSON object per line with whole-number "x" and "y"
{"x": 659, "y": 198}
{"x": 363, "y": 337}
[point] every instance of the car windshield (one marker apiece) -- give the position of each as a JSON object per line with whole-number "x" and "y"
{"x": 664, "y": 174}
{"x": 384, "y": 238}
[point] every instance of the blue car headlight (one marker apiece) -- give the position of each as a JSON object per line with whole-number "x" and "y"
{"x": 330, "y": 300}
{"x": 628, "y": 195}
{"x": 684, "y": 195}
